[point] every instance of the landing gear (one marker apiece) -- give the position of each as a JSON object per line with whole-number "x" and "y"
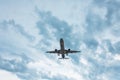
{"x": 58, "y": 54}
{"x": 63, "y": 56}
{"x": 67, "y": 54}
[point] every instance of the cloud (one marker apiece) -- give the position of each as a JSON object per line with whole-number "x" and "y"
{"x": 53, "y": 69}
{"x": 5, "y": 75}
{"x": 97, "y": 36}
{"x": 18, "y": 28}
{"x": 14, "y": 48}
{"x": 18, "y": 58}
{"x": 117, "y": 47}
{"x": 96, "y": 67}
{"x": 53, "y": 28}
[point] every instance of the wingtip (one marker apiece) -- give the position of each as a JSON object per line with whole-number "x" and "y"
{"x": 46, "y": 52}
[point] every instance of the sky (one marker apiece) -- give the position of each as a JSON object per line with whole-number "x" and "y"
{"x": 29, "y": 28}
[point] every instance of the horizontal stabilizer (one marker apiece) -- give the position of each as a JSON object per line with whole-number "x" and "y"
{"x": 63, "y": 58}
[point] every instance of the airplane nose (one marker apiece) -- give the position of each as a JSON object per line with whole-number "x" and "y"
{"x": 61, "y": 39}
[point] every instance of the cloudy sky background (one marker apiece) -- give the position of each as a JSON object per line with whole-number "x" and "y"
{"x": 30, "y": 27}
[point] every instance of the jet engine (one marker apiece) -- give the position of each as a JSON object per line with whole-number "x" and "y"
{"x": 68, "y": 50}
{"x": 56, "y": 50}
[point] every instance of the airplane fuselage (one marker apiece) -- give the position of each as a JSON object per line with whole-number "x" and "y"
{"x": 62, "y": 49}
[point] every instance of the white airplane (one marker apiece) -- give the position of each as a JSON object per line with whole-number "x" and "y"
{"x": 62, "y": 50}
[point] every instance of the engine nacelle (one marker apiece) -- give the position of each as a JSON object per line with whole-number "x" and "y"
{"x": 68, "y": 50}
{"x": 56, "y": 50}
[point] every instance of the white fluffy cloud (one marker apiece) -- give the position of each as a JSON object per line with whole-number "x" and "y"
{"x": 5, "y": 75}
{"x": 91, "y": 26}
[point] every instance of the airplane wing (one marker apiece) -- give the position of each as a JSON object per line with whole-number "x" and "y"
{"x": 55, "y": 51}
{"x": 51, "y": 52}
{"x": 73, "y": 51}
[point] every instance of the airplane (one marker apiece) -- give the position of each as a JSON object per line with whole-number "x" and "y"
{"x": 62, "y": 50}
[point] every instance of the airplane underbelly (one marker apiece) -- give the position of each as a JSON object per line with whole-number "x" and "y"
{"x": 63, "y": 52}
